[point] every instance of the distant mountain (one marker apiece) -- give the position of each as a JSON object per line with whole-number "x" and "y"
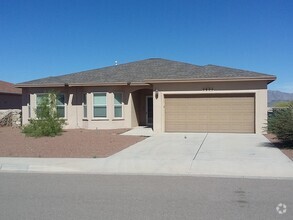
{"x": 277, "y": 96}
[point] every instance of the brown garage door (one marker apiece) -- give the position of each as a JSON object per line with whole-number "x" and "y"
{"x": 209, "y": 113}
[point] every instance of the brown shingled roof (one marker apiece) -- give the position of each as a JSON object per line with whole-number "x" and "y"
{"x": 144, "y": 71}
{"x": 6, "y": 87}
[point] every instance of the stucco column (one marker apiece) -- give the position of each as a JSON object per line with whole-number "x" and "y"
{"x": 158, "y": 111}
{"x": 261, "y": 110}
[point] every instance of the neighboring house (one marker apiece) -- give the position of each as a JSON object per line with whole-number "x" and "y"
{"x": 10, "y": 97}
{"x": 171, "y": 96}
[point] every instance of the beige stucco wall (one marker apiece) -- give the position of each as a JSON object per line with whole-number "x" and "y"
{"x": 10, "y": 101}
{"x": 74, "y": 109}
{"x": 258, "y": 88}
{"x": 261, "y": 111}
{"x": 139, "y": 102}
{"x": 132, "y": 114}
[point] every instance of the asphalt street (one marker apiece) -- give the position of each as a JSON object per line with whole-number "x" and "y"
{"x": 68, "y": 196}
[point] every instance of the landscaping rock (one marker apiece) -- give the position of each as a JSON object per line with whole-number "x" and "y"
{"x": 10, "y": 118}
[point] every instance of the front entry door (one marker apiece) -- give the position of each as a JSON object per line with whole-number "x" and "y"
{"x": 149, "y": 110}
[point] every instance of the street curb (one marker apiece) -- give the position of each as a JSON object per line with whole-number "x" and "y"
{"x": 26, "y": 169}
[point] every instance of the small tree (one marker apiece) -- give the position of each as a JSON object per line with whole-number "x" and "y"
{"x": 47, "y": 122}
{"x": 280, "y": 123}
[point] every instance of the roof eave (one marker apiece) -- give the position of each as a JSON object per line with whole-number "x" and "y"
{"x": 148, "y": 82}
{"x": 39, "y": 85}
{"x": 82, "y": 84}
{"x": 10, "y": 93}
{"x": 241, "y": 79}
{"x": 109, "y": 84}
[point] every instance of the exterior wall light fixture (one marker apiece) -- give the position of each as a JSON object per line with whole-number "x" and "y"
{"x": 156, "y": 93}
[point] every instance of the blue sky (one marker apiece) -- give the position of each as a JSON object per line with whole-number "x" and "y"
{"x": 40, "y": 38}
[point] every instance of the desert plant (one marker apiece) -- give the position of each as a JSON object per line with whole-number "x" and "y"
{"x": 280, "y": 123}
{"x": 47, "y": 121}
{"x": 283, "y": 104}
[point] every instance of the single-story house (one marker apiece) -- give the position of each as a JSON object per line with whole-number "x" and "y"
{"x": 168, "y": 95}
{"x": 10, "y": 96}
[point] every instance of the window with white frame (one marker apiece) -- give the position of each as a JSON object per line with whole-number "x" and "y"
{"x": 60, "y": 103}
{"x": 118, "y": 112}
{"x": 100, "y": 105}
{"x": 39, "y": 99}
{"x": 84, "y": 104}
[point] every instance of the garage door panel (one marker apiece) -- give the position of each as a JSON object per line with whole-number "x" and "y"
{"x": 218, "y": 113}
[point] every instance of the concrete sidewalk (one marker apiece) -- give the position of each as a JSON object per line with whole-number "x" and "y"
{"x": 233, "y": 155}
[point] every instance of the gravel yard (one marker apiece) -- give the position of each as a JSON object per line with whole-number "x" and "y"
{"x": 78, "y": 143}
{"x": 74, "y": 143}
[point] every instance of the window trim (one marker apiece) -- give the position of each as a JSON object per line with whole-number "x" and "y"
{"x": 62, "y": 105}
{"x": 102, "y": 105}
{"x": 84, "y": 104}
{"x": 28, "y": 105}
{"x": 29, "y": 111}
{"x": 119, "y": 105}
{"x": 45, "y": 93}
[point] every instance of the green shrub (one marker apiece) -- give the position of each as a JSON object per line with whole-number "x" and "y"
{"x": 280, "y": 123}
{"x": 47, "y": 122}
{"x": 283, "y": 104}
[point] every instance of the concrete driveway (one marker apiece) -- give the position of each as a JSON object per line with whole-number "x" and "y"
{"x": 238, "y": 155}
{"x": 204, "y": 154}
{"x": 241, "y": 155}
